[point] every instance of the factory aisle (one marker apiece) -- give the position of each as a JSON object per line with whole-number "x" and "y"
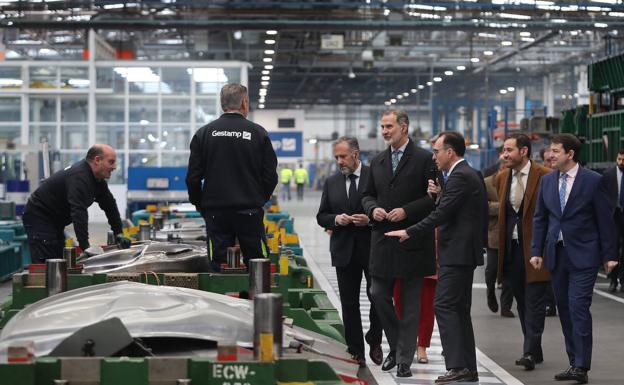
{"x": 316, "y": 250}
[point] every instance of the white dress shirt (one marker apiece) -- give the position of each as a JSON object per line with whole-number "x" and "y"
{"x": 453, "y": 167}
{"x": 514, "y": 181}
{"x": 401, "y": 149}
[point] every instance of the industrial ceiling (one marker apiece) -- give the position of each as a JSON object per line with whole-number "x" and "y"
{"x": 329, "y": 52}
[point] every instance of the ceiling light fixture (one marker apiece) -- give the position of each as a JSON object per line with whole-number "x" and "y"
{"x": 437, "y": 79}
{"x": 268, "y": 67}
{"x": 271, "y": 32}
{"x": 503, "y": 92}
{"x": 266, "y": 78}
{"x": 506, "y": 43}
{"x": 429, "y": 83}
{"x": 448, "y": 73}
{"x": 474, "y": 59}
{"x": 420, "y": 87}
{"x": 511, "y": 89}
{"x": 269, "y": 41}
{"x": 269, "y": 52}
{"x": 488, "y": 53}
{"x": 461, "y": 68}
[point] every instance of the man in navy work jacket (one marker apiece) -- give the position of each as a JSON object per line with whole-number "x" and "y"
{"x": 64, "y": 198}
{"x": 232, "y": 172}
{"x": 573, "y": 234}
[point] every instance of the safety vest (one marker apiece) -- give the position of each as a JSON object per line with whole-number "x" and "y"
{"x": 301, "y": 176}
{"x": 286, "y": 175}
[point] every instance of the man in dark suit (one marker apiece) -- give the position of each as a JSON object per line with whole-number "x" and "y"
{"x": 341, "y": 212}
{"x": 395, "y": 198}
{"x": 517, "y": 186}
{"x": 615, "y": 185}
{"x": 573, "y": 234}
{"x": 461, "y": 218}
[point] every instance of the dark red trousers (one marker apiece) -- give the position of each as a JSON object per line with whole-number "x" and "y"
{"x": 425, "y": 327}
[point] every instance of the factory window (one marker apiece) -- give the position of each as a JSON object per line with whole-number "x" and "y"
{"x": 74, "y": 136}
{"x": 74, "y": 78}
{"x": 176, "y": 110}
{"x": 111, "y": 133}
{"x": 143, "y": 110}
{"x": 144, "y": 137}
{"x": 286, "y": 123}
{"x": 44, "y": 77}
{"x": 74, "y": 108}
{"x": 176, "y": 81}
{"x": 38, "y": 132}
{"x": 110, "y": 108}
{"x": 10, "y": 109}
{"x": 205, "y": 111}
{"x": 42, "y": 109}
{"x": 9, "y": 135}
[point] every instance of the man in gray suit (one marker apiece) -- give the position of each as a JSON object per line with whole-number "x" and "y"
{"x": 396, "y": 198}
{"x": 460, "y": 217}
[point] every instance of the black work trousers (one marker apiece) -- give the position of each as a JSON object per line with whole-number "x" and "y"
{"x": 46, "y": 239}
{"x": 491, "y": 271}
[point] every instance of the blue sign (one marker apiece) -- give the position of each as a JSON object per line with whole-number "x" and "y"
{"x": 287, "y": 143}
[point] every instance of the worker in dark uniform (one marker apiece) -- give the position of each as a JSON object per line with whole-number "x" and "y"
{"x": 64, "y": 198}
{"x": 234, "y": 159}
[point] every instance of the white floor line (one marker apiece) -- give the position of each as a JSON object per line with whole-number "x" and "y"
{"x": 384, "y": 378}
{"x": 607, "y": 295}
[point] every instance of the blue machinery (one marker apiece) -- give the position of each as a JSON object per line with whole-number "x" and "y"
{"x": 153, "y": 185}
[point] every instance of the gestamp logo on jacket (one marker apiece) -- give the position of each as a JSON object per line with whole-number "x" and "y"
{"x": 246, "y": 135}
{"x": 233, "y": 134}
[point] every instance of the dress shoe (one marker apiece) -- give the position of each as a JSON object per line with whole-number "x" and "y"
{"x": 403, "y": 370}
{"x": 491, "y": 300}
{"x": 527, "y": 361}
{"x": 507, "y": 313}
{"x": 613, "y": 287}
{"x": 573, "y": 374}
{"x": 375, "y": 354}
{"x": 456, "y": 375}
{"x": 551, "y": 311}
{"x": 389, "y": 362}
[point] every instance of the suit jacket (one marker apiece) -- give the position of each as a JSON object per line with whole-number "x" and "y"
{"x": 460, "y": 218}
{"x": 334, "y": 201}
{"x": 610, "y": 180}
{"x": 586, "y": 221}
{"x": 492, "y": 197}
{"x": 525, "y": 228}
{"x": 406, "y": 188}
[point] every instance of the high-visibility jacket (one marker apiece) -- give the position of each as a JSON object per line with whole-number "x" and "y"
{"x": 301, "y": 176}
{"x": 286, "y": 175}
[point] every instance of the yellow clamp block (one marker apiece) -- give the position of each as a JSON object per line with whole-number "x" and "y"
{"x": 291, "y": 238}
{"x": 283, "y": 265}
{"x": 69, "y": 242}
{"x": 151, "y": 208}
{"x": 273, "y": 244}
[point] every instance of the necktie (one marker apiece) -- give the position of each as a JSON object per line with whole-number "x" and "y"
{"x": 353, "y": 196}
{"x": 395, "y": 159}
{"x": 518, "y": 193}
{"x": 621, "y": 200}
{"x": 562, "y": 190}
{"x": 445, "y": 176}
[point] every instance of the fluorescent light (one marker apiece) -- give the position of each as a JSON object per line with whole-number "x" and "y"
{"x": 597, "y": 9}
{"x": 528, "y": 39}
{"x": 601, "y": 25}
{"x": 268, "y": 67}
{"x": 267, "y": 59}
{"x": 171, "y": 41}
{"x": 137, "y": 74}
{"x": 260, "y": 106}
{"x": 265, "y": 78}
{"x": 488, "y": 53}
{"x": 474, "y": 59}
{"x": 405, "y": 93}
{"x": 429, "y": 84}
{"x": 393, "y": 100}
{"x": 79, "y": 82}
{"x": 558, "y": 21}
{"x": 514, "y": 16}
{"x": 165, "y": 133}
{"x": 387, "y": 103}
{"x": 426, "y": 7}
{"x": 503, "y": 92}
{"x": 10, "y": 82}
{"x": 399, "y": 96}
{"x": 490, "y": 35}
{"x": 414, "y": 90}
{"x": 448, "y": 73}
{"x": 269, "y": 41}
{"x": 269, "y": 52}
{"x": 461, "y": 68}
{"x": 506, "y": 43}
{"x": 143, "y": 160}
{"x": 208, "y": 75}
{"x": 576, "y": 95}
{"x": 525, "y": 33}
{"x": 312, "y": 140}
{"x": 271, "y": 32}
{"x": 151, "y": 138}
{"x": 420, "y": 87}
{"x": 238, "y": 35}
{"x": 263, "y": 92}
{"x": 266, "y": 72}
{"x": 386, "y": 12}
{"x": 511, "y": 89}
{"x": 264, "y": 83}
{"x": 437, "y": 79}
{"x": 113, "y": 6}
{"x": 616, "y": 14}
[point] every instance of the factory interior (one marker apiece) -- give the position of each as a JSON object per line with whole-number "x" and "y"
{"x": 156, "y": 300}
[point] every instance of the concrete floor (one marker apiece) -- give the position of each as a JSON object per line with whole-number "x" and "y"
{"x": 498, "y": 339}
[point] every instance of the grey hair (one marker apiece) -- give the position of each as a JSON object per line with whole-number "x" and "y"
{"x": 232, "y": 96}
{"x": 401, "y": 115}
{"x": 351, "y": 141}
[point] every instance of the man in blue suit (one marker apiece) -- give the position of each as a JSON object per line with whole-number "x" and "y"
{"x": 573, "y": 234}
